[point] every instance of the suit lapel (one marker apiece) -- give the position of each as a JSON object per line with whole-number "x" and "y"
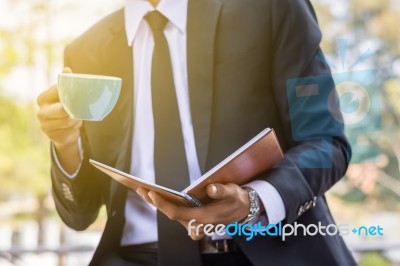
{"x": 115, "y": 59}
{"x": 201, "y": 30}
{"x": 119, "y": 62}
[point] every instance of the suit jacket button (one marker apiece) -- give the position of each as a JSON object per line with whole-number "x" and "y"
{"x": 70, "y": 198}
{"x": 301, "y": 210}
{"x": 65, "y": 187}
{"x": 314, "y": 202}
{"x": 114, "y": 212}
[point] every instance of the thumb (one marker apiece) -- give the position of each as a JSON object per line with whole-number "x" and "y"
{"x": 67, "y": 70}
{"x": 51, "y": 95}
{"x": 216, "y": 191}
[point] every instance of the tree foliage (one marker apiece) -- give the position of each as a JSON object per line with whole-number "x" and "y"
{"x": 371, "y": 24}
{"x": 24, "y": 160}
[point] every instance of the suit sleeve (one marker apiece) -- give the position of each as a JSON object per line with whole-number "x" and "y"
{"x": 77, "y": 200}
{"x": 317, "y": 152}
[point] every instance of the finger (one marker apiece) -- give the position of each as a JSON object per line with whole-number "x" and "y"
{"x": 173, "y": 211}
{"x": 63, "y": 136}
{"x": 207, "y": 214}
{"x": 194, "y": 232}
{"x": 59, "y": 131}
{"x": 52, "y": 111}
{"x": 144, "y": 194}
{"x": 51, "y": 95}
{"x": 67, "y": 70}
{"x": 197, "y": 237}
{"x": 176, "y": 212}
{"x": 48, "y": 96}
{"x": 217, "y": 191}
{"x": 66, "y": 125}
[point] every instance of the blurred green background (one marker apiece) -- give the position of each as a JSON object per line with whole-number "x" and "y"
{"x": 32, "y": 37}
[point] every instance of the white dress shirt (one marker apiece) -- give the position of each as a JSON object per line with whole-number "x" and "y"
{"x": 141, "y": 221}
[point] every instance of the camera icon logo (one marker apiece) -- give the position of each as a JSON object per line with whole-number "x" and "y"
{"x": 359, "y": 105}
{"x": 347, "y": 99}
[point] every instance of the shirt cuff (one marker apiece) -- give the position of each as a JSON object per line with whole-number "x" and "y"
{"x": 73, "y": 175}
{"x": 271, "y": 199}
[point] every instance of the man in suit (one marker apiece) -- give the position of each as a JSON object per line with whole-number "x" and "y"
{"x": 229, "y": 61}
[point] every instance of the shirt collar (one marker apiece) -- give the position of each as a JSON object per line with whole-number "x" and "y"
{"x": 135, "y": 10}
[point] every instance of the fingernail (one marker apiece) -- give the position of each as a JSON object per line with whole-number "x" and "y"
{"x": 214, "y": 189}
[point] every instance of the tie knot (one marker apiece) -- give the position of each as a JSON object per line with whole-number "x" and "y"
{"x": 156, "y": 20}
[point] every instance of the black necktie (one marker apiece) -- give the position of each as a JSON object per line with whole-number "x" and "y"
{"x": 171, "y": 170}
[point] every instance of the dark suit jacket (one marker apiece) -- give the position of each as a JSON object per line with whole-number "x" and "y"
{"x": 240, "y": 55}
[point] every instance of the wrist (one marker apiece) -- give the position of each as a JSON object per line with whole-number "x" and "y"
{"x": 69, "y": 156}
